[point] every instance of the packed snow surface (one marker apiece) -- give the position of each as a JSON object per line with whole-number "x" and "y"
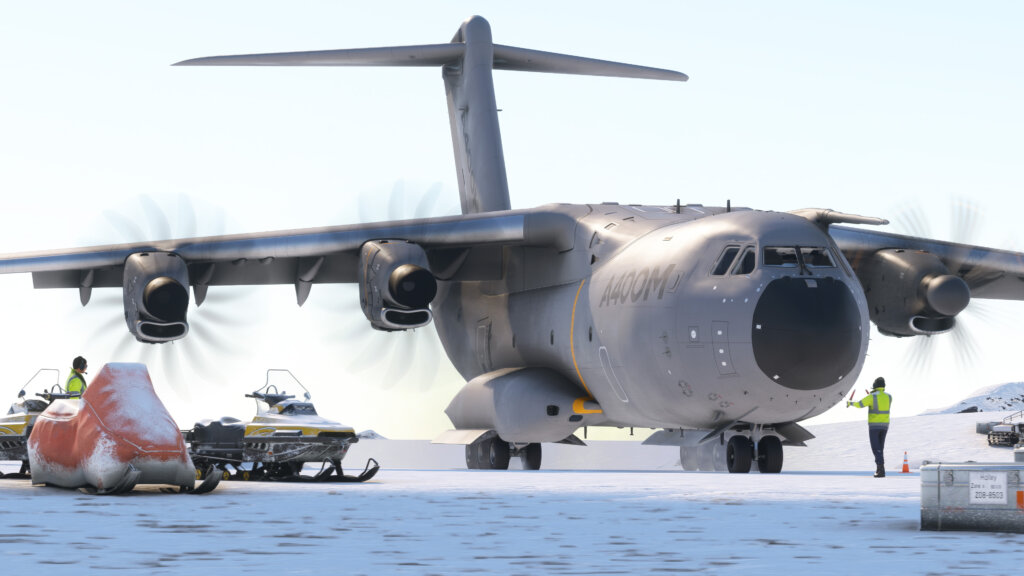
{"x": 627, "y": 514}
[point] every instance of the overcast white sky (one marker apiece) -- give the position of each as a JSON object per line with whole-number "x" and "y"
{"x": 867, "y": 107}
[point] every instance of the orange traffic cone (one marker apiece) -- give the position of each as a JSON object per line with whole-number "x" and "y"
{"x": 906, "y": 466}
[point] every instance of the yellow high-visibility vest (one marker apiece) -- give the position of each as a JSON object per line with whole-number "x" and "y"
{"x": 75, "y": 383}
{"x": 877, "y": 403}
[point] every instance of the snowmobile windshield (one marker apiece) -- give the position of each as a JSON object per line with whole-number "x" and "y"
{"x": 299, "y": 409}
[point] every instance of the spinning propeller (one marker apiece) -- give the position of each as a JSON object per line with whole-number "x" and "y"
{"x": 965, "y": 222}
{"x": 411, "y": 356}
{"x": 222, "y": 324}
{"x": 218, "y": 326}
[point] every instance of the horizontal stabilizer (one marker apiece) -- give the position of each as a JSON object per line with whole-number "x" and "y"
{"x": 505, "y": 58}
{"x": 526, "y": 60}
{"x": 425, "y": 55}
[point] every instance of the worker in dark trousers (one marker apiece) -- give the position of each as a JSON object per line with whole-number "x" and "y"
{"x": 877, "y": 403}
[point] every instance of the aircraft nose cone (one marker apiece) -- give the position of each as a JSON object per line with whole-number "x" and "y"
{"x": 806, "y": 333}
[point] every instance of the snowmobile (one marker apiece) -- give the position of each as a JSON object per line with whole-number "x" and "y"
{"x": 285, "y": 434}
{"x": 16, "y": 426}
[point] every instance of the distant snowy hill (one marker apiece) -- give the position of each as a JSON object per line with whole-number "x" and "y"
{"x": 370, "y": 435}
{"x": 998, "y": 398}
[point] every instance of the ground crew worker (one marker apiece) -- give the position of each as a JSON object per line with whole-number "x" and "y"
{"x": 877, "y": 403}
{"x": 76, "y": 380}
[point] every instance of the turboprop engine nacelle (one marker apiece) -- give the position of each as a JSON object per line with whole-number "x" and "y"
{"x": 395, "y": 285}
{"x": 156, "y": 296}
{"x": 912, "y": 293}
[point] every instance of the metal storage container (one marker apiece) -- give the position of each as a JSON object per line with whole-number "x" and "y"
{"x": 985, "y": 497}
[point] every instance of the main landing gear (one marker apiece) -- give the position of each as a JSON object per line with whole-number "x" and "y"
{"x": 493, "y": 453}
{"x": 737, "y": 455}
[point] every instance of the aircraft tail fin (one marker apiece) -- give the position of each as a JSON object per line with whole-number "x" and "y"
{"x": 466, "y": 63}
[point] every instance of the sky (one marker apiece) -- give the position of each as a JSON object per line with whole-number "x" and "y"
{"x": 898, "y": 111}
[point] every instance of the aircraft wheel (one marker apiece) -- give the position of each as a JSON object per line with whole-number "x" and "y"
{"x": 531, "y": 457}
{"x": 720, "y": 456}
{"x": 688, "y": 457}
{"x": 769, "y": 455}
{"x": 498, "y": 454}
{"x": 473, "y": 456}
{"x": 706, "y": 457}
{"x": 739, "y": 453}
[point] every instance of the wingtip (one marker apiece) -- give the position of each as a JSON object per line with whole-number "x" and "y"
{"x": 205, "y": 61}
{"x": 671, "y": 75}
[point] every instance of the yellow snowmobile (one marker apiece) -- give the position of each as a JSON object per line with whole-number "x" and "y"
{"x": 285, "y": 434}
{"x": 16, "y": 425}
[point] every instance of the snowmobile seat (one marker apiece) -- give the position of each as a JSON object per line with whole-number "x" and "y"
{"x": 219, "y": 434}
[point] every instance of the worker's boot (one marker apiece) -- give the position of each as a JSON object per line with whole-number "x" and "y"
{"x": 880, "y": 471}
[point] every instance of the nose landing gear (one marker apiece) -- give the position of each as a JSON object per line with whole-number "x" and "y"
{"x": 769, "y": 455}
{"x": 737, "y": 455}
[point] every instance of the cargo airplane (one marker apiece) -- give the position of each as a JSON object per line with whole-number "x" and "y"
{"x": 722, "y": 327}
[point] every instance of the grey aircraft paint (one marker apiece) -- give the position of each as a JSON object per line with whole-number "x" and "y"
{"x": 725, "y": 327}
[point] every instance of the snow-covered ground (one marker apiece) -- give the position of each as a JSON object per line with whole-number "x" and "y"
{"x": 633, "y": 512}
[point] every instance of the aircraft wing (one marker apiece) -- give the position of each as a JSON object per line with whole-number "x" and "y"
{"x": 988, "y": 272}
{"x": 311, "y": 255}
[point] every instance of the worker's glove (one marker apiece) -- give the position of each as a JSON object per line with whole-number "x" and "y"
{"x": 848, "y": 403}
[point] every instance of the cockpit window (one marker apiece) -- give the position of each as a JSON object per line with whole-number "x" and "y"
{"x": 746, "y": 262}
{"x": 725, "y": 260}
{"x": 817, "y": 258}
{"x": 784, "y": 256}
{"x": 791, "y": 257}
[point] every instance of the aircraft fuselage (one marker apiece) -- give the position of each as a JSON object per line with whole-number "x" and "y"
{"x": 675, "y": 320}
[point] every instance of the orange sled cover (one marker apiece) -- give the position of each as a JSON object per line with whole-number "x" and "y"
{"x": 117, "y": 435}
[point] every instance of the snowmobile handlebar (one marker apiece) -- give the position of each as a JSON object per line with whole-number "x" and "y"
{"x": 269, "y": 398}
{"x": 51, "y": 396}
